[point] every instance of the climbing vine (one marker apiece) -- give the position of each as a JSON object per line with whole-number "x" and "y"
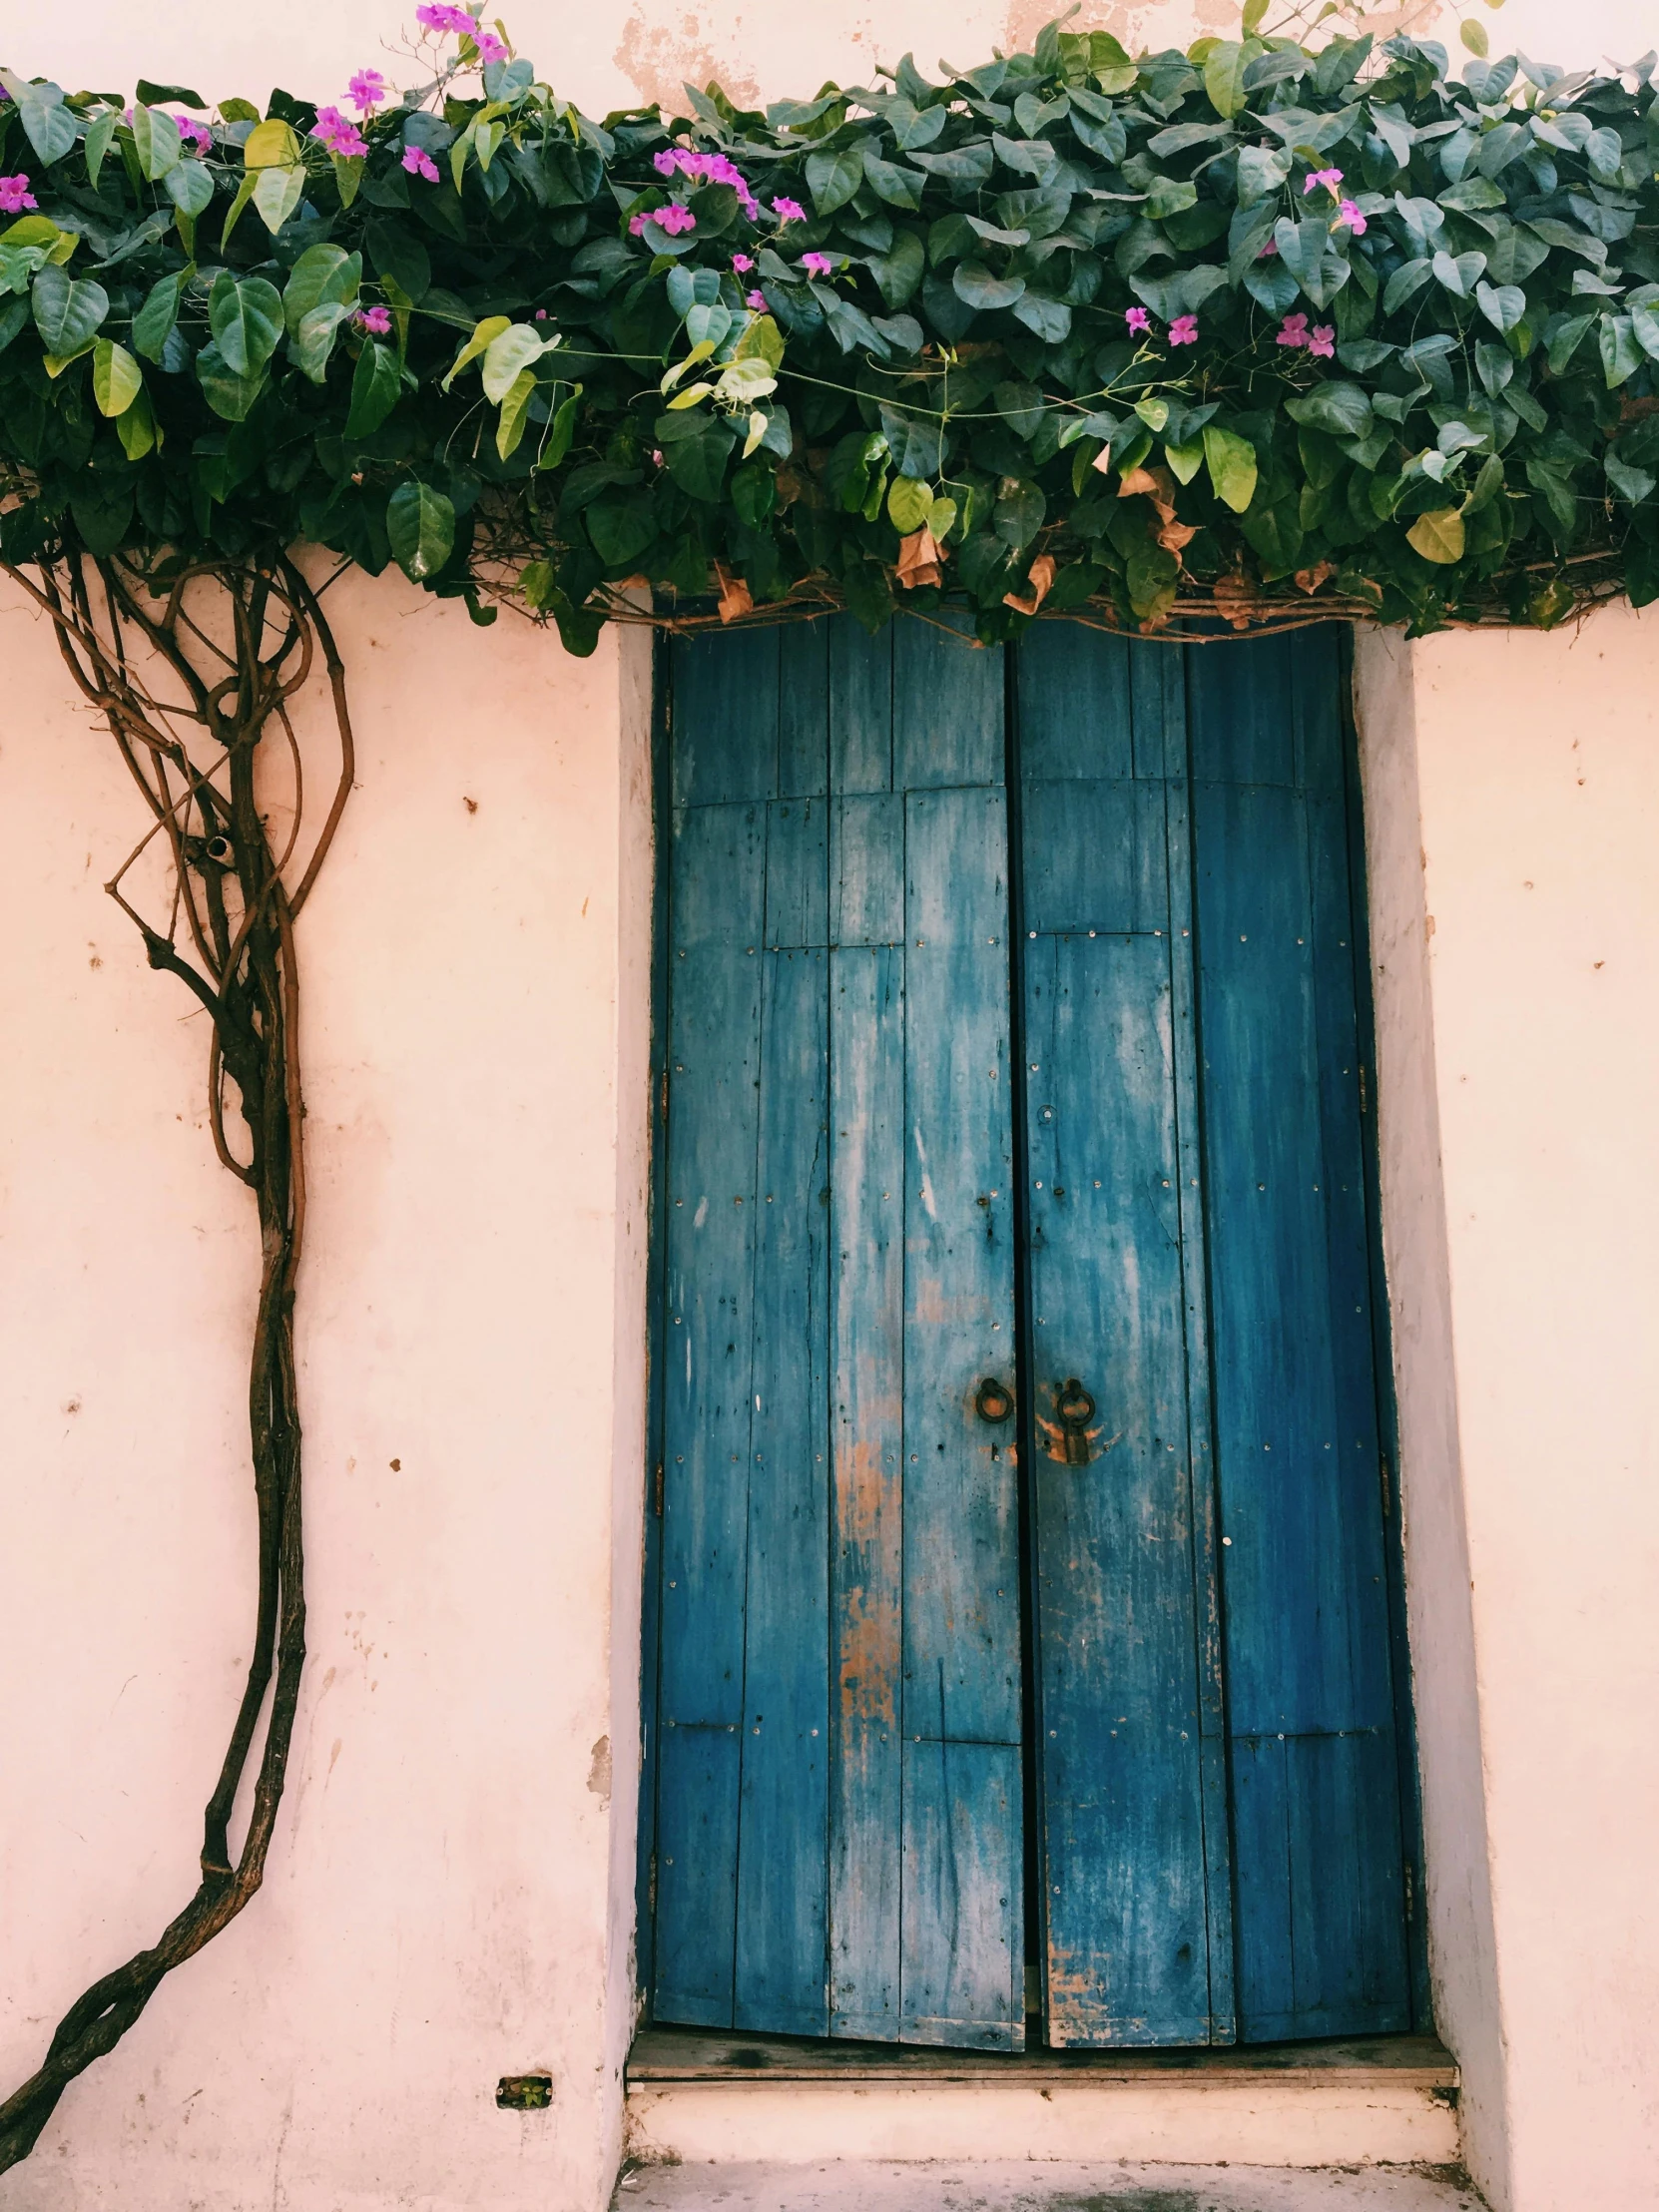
{"x": 1275, "y": 322}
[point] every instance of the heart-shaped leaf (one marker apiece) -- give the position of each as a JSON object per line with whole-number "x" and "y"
{"x": 246, "y": 317}
{"x": 155, "y": 141}
{"x": 974, "y": 285}
{"x": 833, "y": 178}
{"x": 312, "y": 345}
{"x": 420, "y": 528}
{"x": 189, "y": 187}
{"x": 376, "y": 385}
{"x": 321, "y": 274}
{"x": 507, "y": 356}
{"x": 276, "y": 194}
{"x": 1504, "y": 306}
{"x": 48, "y": 124}
{"x": 1224, "y": 76}
{"x": 1438, "y": 536}
{"x": 68, "y": 311}
{"x": 1232, "y": 465}
{"x": 117, "y": 378}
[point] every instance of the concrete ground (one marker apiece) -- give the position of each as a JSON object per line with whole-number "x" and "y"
{"x": 856, "y": 2185}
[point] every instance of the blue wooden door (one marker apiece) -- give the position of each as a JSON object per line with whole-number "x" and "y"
{"x": 840, "y": 1794}
{"x": 1013, "y": 1137}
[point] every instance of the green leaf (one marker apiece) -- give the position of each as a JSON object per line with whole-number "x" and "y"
{"x": 1644, "y": 324}
{"x": 974, "y": 285}
{"x": 189, "y": 187}
{"x": 1261, "y": 170}
{"x": 1232, "y": 465}
{"x": 136, "y": 428}
{"x": 245, "y": 193}
{"x": 833, "y": 178}
{"x": 273, "y": 145}
{"x": 396, "y": 252}
{"x": 376, "y": 385}
{"x": 421, "y": 527}
{"x": 117, "y": 378}
{"x": 47, "y": 123}
{"x": 322, "y": 275}
{"x": 312, "y": 345}
{"x": 67, "y": 311}
{"x": 99, "y": 134}
{"x": 277, "y": 193}
{"x": 155, "y": 319}
{"x": 1504, "y": 306}
{"x": 1224, "y": 73}
{"x": 1634, "y": 484}
{"x": 696, "y": 449}
{"x": 1408, "y": 280}
{"x": 1438, "y": 536}
{"x": 744, "y": 382}
{"x": 1343, "y": 409}
{"x": 508, "y": 353}
{"x": 1621, "y": 357}
{"x": 1473, "y": 36}
{"x": 246, "y": 317}
{"x": 156, "y": 142}
{"x": 230, "y": 396}
{"x": 560, "y": 431}
{"x": 909, "y": 503}
{"x": 1185, "y": 461}
{"x": 484, "y": 334}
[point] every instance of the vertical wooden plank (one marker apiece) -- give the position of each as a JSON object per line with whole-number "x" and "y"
{"x": 781, "y": 1926}
{"x": 798, "y": 873}
{"x": 802, "y": 710}
{"x": 715, "y": 1040}
{"x": 964, "y": 1949}
{"x": 725, "y": 713}
{"x": 860, "y": 709}
{"x": 1319, "y": 1842}
{"x": 949, "y": 719}
{"x": 866, "y": 1438}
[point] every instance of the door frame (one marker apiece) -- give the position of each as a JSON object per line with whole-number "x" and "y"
{"x": 1386, "y": 1413}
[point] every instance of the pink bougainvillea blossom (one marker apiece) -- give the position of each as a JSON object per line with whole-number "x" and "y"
{"x": 419, "y": 163}
{"x": 713, "y": 169}
{"x": 1330, "y": 177}
{"x": 1184, "y": 331}
{"x": 1348, "y": 215}
{"x": 435, "y": 15}
{"x": 1321, "y": 341}
{"x": 757, "y": 301}
{"x": 1294, "y": 331}
{"x": 192, "y": 133}
{"x": 675, "y": 217}
{"x": 741, "y": 264}
{"x": 817, "y": 264}
{"x": 375, "y": 320}
{"x": 366, "y": 90}
{"x": 1137, "y": 319}
{"x": 789, "y": 210}
{"x": 15, "y": 195}
{"x": 490, "y": 48}
{"x": 339, "y": 134}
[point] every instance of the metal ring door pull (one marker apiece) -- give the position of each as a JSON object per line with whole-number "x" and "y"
{"x": 992, "y": 1402}
{"x": 1068, "y": 1439}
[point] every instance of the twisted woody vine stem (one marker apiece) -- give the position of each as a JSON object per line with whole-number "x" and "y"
{"x": 192, "y": 674}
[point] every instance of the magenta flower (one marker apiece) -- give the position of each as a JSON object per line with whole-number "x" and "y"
{"x": 1348, "y": 215}
{"x": 1330, "y": 177}
{"x": 434, "y": 15}
{"x": 1184, "y": 331}
{"x": 490, "y": 48}
{"x": 375, "y": 320}
{"x": 789, "y": 210}
{"x": 675, "y": 217}
{"x": 1294, "y": 331}
{"x": 713, "y": 169}
{"x": 657, "y": 455}
{"x": 741, "y": 264}
{"x": 195, "y": 133}
{"x": 1268, "y": 250}
{"x": 1322, "y": 341}
{"x": 817, "y": 264}
{"x": 419, "y": 163}
{"x": 339, "y": 134}
{"x": 757, "y": 301}
{"x": 366, "y": 90}
{"x": 15, "y": 195}
{"x": 541, "y": 314}
{"x": 1137, "y": 319}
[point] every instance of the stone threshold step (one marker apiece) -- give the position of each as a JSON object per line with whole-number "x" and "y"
{"x": 698, "y": 2097}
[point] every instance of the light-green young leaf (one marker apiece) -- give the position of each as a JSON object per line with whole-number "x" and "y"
{"x": 1232, "y": 463}
{"x": 117, "y": 378}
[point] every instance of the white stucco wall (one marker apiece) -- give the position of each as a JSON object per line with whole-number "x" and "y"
{"x": 1520, "y": 1074}
{"x": 450, "y": 1894}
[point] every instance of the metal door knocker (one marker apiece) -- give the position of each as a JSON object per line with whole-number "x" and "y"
{"x": 992, "y": 1402}
{"x": 1067, "y": 1439}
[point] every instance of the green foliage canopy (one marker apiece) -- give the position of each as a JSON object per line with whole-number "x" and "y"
{"x": 1073, "y": 326}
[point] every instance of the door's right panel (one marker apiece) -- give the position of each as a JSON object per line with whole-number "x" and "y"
{"x": 1132, "y": 1871}
{"x": 1317, "y": 1840}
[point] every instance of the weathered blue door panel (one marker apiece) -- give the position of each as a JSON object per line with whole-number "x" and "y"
{"x": 841, "y": 1635}
{"x": 1318, "y": 1846}
{"x": 842, "y": 1769}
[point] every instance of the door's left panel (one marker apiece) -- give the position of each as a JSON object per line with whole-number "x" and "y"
{"x": 837, "y": 1817}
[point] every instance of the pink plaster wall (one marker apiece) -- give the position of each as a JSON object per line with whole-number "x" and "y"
{"x": 450, "y": 1893}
